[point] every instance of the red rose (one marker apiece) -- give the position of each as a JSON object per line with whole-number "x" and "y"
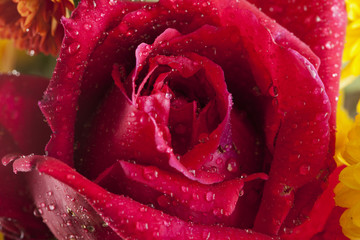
{"x": 183, "y": 120}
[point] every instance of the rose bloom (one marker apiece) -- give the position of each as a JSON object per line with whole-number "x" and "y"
{"x": 178, "y": 120}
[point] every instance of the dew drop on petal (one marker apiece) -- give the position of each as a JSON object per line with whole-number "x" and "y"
{"x": 73, "y": 48}
{"x": 210, "y": 196}
{"x": 51, "y": 207}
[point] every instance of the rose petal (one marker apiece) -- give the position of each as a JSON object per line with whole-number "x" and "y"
{"x": 318, "y": 218}
{"x": 127, "y": 218}
{"x": 332, "y": 229}
{"x": 19, "y": 113}
{"x": 119, "y": 133}
{"x": 22, "y": 130}
{"x": 71, "y": 76}
{"x": 321, "y": 25}
{"x": 195, "y": 197}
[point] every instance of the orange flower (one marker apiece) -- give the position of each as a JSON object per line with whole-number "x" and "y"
{"x": 34, "y": 24}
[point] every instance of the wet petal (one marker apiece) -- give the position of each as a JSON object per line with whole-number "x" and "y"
{"x": 97, "y": 213}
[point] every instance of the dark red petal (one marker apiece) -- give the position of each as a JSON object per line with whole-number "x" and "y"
{"x": 306, "y": 107}
{"x": 75, "y": 199}
{"x": 22, "y": 130}
{"x": 321, "y": 216}
{"x": 18, "y": 215}
{"x": 332, "y": 229}
{"x": 119, "y": 132}
{"x": 209, "y": 197}
{"x": 299, "y": 156}
{"x": 19, "y": 112}
{"x": 75, "y": 74}
{"x": 321, "y": 25}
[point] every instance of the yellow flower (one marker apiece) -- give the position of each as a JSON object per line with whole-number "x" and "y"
{"x": 1, "y": 236}
{"x": 344, "y": 124}
{"x": 34, "y": 24}
{"x": 347, "y": 192}
{"x": 351, "y": 55}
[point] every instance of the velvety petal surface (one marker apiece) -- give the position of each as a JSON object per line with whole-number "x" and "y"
{"x": 279, "y": 99}
{"x": 321, "y": 25}
{"x": 176, "y": 195}
{"x": 22, "y": 130}
{"x": 321, "y": 218}
{"x": 96, "y": 213}
{"x": 19, "y": 112}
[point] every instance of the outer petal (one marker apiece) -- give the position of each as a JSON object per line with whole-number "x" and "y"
{"x": 176, "y": 195}
{"x": 22, "y": 130}
{"x": 74, "y": 73}
{"x": 323, "y": 217}
{"x": 67, "y": 197}
{"x": 19, "y": 112}
{"x": 320, "y": 24}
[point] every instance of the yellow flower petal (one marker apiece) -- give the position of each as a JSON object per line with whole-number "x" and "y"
{"x": 350, "y": 176}
{"x": 350, "y": 230}
{"x": 352, "y": 148}
{"x": 346, "y": 197}
{"x": 352, "y": 43}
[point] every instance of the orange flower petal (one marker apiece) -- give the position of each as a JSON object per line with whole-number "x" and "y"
{"x": 34, "y": 24}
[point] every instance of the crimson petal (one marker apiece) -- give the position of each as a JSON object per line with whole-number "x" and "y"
{"x": 22, "y": 130}
{"x": 90, "y": 209}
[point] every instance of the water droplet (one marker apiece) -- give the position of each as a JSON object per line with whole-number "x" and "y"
{"x": 31, "y": 53}
{"x": 210, "y": 196}
{"x": 184, "y": 188}
{"x": 168, "y": 95}
{"x": 232, "y": 165}
{"x": 51, "y": 207}
{"x": 37, "y": 212}
{"x": 241, "y": 193}
{"x": 273, "y": 91}
{"x": 195, "y": 196}
{"x": 104, "y": 224}
{"x": 312, "y": 71}
{"x": 49, "y": 193}
{"x": 150, "y": 174}
{"x": 87, "y": 26}
{"x": 218, "y": 211}
{"x": 71, "y": 237}
{"x": 192, "y": 172}
{"x": 142, "y": 226}
{"x": 70, "y": 176}
{"x": 243, "y": 176}
{"x": 73, "y": 48}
